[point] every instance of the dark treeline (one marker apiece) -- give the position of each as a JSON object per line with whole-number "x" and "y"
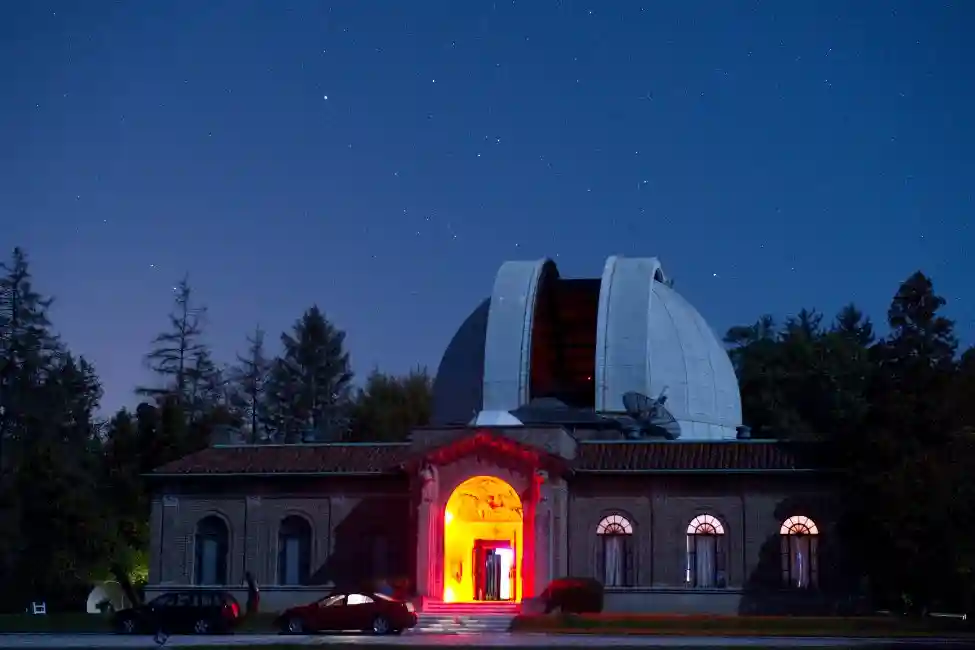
{"x": 895, "y": 414}
{"x": 73, "y": 499}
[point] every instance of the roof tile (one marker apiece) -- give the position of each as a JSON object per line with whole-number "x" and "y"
{"x": 290, "y": 459}
{"x": 591, "y": 456}
{"x": 684, "y": 456}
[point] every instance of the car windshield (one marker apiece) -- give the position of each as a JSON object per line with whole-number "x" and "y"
{"x": 385, "y": 597}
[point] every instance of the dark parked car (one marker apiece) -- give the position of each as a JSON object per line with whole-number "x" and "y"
{"x": 195, "y": 612}
{"x": 366, "y": 612}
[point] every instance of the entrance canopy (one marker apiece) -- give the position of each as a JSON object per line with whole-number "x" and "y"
{"x": 491, "y": 445}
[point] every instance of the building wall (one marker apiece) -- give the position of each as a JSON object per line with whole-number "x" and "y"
{"x": 348, "y": 515}
{"x": 751, "y": 510}
{"x": 348, "y": 520}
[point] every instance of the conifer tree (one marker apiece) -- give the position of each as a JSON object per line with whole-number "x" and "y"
{"x": 27, "y": 347}
{"x": 311, "y": 382}
{"x": 389, "y": 407}
{"x": 250, "y": 379}
{"x": 58, "y": 531}
{"x": 177, "y": 353}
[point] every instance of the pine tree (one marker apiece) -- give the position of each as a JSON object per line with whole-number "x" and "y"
{"x": 175, "y": 351}
{"x": 388, "y": 408}
{"x": 57, "y": 528}
{"x": 909, "y": 512}
{"x": 205, "y": 386}
{"x": 310, "y": 385}
{"x": 852, "y": 325}
{"x": 917, "y": 365}
{"x": 125, "y": 457}
{"x": 27, "y": 347}
{"x": 250, "y": 378}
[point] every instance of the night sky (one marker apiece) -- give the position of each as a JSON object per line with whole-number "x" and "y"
{"x": 382, "y": 159}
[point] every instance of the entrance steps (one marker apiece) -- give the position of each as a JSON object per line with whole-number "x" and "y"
{"x": 465, "y": 618}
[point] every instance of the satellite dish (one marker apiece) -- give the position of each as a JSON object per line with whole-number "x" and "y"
{"x": 650, "y": 416}
{"x": 641, "y": 406}
{"x": 636, "y": 403}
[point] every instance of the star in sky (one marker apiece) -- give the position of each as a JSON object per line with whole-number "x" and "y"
{"x": 384, "y": 161}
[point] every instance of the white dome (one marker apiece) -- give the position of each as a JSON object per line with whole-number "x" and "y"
{"x": 651, "y": 341}
{"x": 642, "y": 335}
{"x": 496, "y": 419}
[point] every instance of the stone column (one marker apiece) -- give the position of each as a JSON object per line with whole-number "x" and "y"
{"x": 156, "y": 542}
{"x": 435, "y": 556}
{"x": 253, "y": 536}
{"x": 175, "y": 544}
{"x": 427, "y": 539}
{"x": 560, "y": 529}
{"x": 528, "y": 556}
{"x": 543, "y": 533}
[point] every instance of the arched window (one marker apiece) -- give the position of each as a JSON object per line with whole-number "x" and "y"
{"x": 705, "y": 553}
{"x": 615, "y": 556}
{"x": 799, "y": 541}
{"x": 294, "y": 551}
{"x": 212, "y": 546}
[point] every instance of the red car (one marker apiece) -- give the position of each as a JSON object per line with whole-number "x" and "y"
{"x": 366, "y": 612}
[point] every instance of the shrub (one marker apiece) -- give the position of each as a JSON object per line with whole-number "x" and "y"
{"x": 396, "y": 587}
{"x": 573, "y": 596}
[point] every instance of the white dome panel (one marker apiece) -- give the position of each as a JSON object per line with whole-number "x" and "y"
{"x": 652, "y": 340}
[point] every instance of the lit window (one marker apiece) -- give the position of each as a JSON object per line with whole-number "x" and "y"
{"x": 616, "y": 533}
{"x": 798, "y": 526}
{"x": 705, "y": 553}
{"x": 799, "y": 541}
{"x": 614, "y": 525}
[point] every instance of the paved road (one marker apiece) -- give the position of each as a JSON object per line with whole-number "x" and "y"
{"x": 494, "y": 640}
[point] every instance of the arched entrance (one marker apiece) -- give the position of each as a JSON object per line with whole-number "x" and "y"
{"x": 483, "y": 542}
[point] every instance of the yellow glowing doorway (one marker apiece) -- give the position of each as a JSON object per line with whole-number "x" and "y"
{"x": 484, "y": 512}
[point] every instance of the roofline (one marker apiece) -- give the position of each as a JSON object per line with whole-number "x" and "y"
{"x": 291, "y": 445}
{"x": 700, "y": 471}
{"x": 476, "y": 427}
{"x": 264, "y": 474}
{"x": 392, "y": 472}
{"x": 730, "y": 441}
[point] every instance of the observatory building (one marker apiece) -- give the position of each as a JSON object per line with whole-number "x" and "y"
{"x": 581, "y": 427}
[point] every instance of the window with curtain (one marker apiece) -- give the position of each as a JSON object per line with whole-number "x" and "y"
{"x": 799, "y": 539}
{"x": 615, "y": 534}
{"x": 211, "y": 548}
{"x": 705, "y": 553}
{"x": 294, "y": 551}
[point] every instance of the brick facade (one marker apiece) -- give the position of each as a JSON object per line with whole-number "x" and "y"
{"x": 364, "y": 524}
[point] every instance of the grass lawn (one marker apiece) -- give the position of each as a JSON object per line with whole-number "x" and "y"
{"x": 74, "y": 622}
{"x": 739, "y": 625}
{"x": 465, "y": 643}
{"x": 605, "y": 624}
{"x": 77, "y": 622}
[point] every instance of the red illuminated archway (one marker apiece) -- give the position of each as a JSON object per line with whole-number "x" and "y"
{"x": 484, "y": 542}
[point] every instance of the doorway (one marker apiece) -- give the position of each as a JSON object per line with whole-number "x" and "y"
{"x": 482, "y": 542}
{"x": 494, "y": 570}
